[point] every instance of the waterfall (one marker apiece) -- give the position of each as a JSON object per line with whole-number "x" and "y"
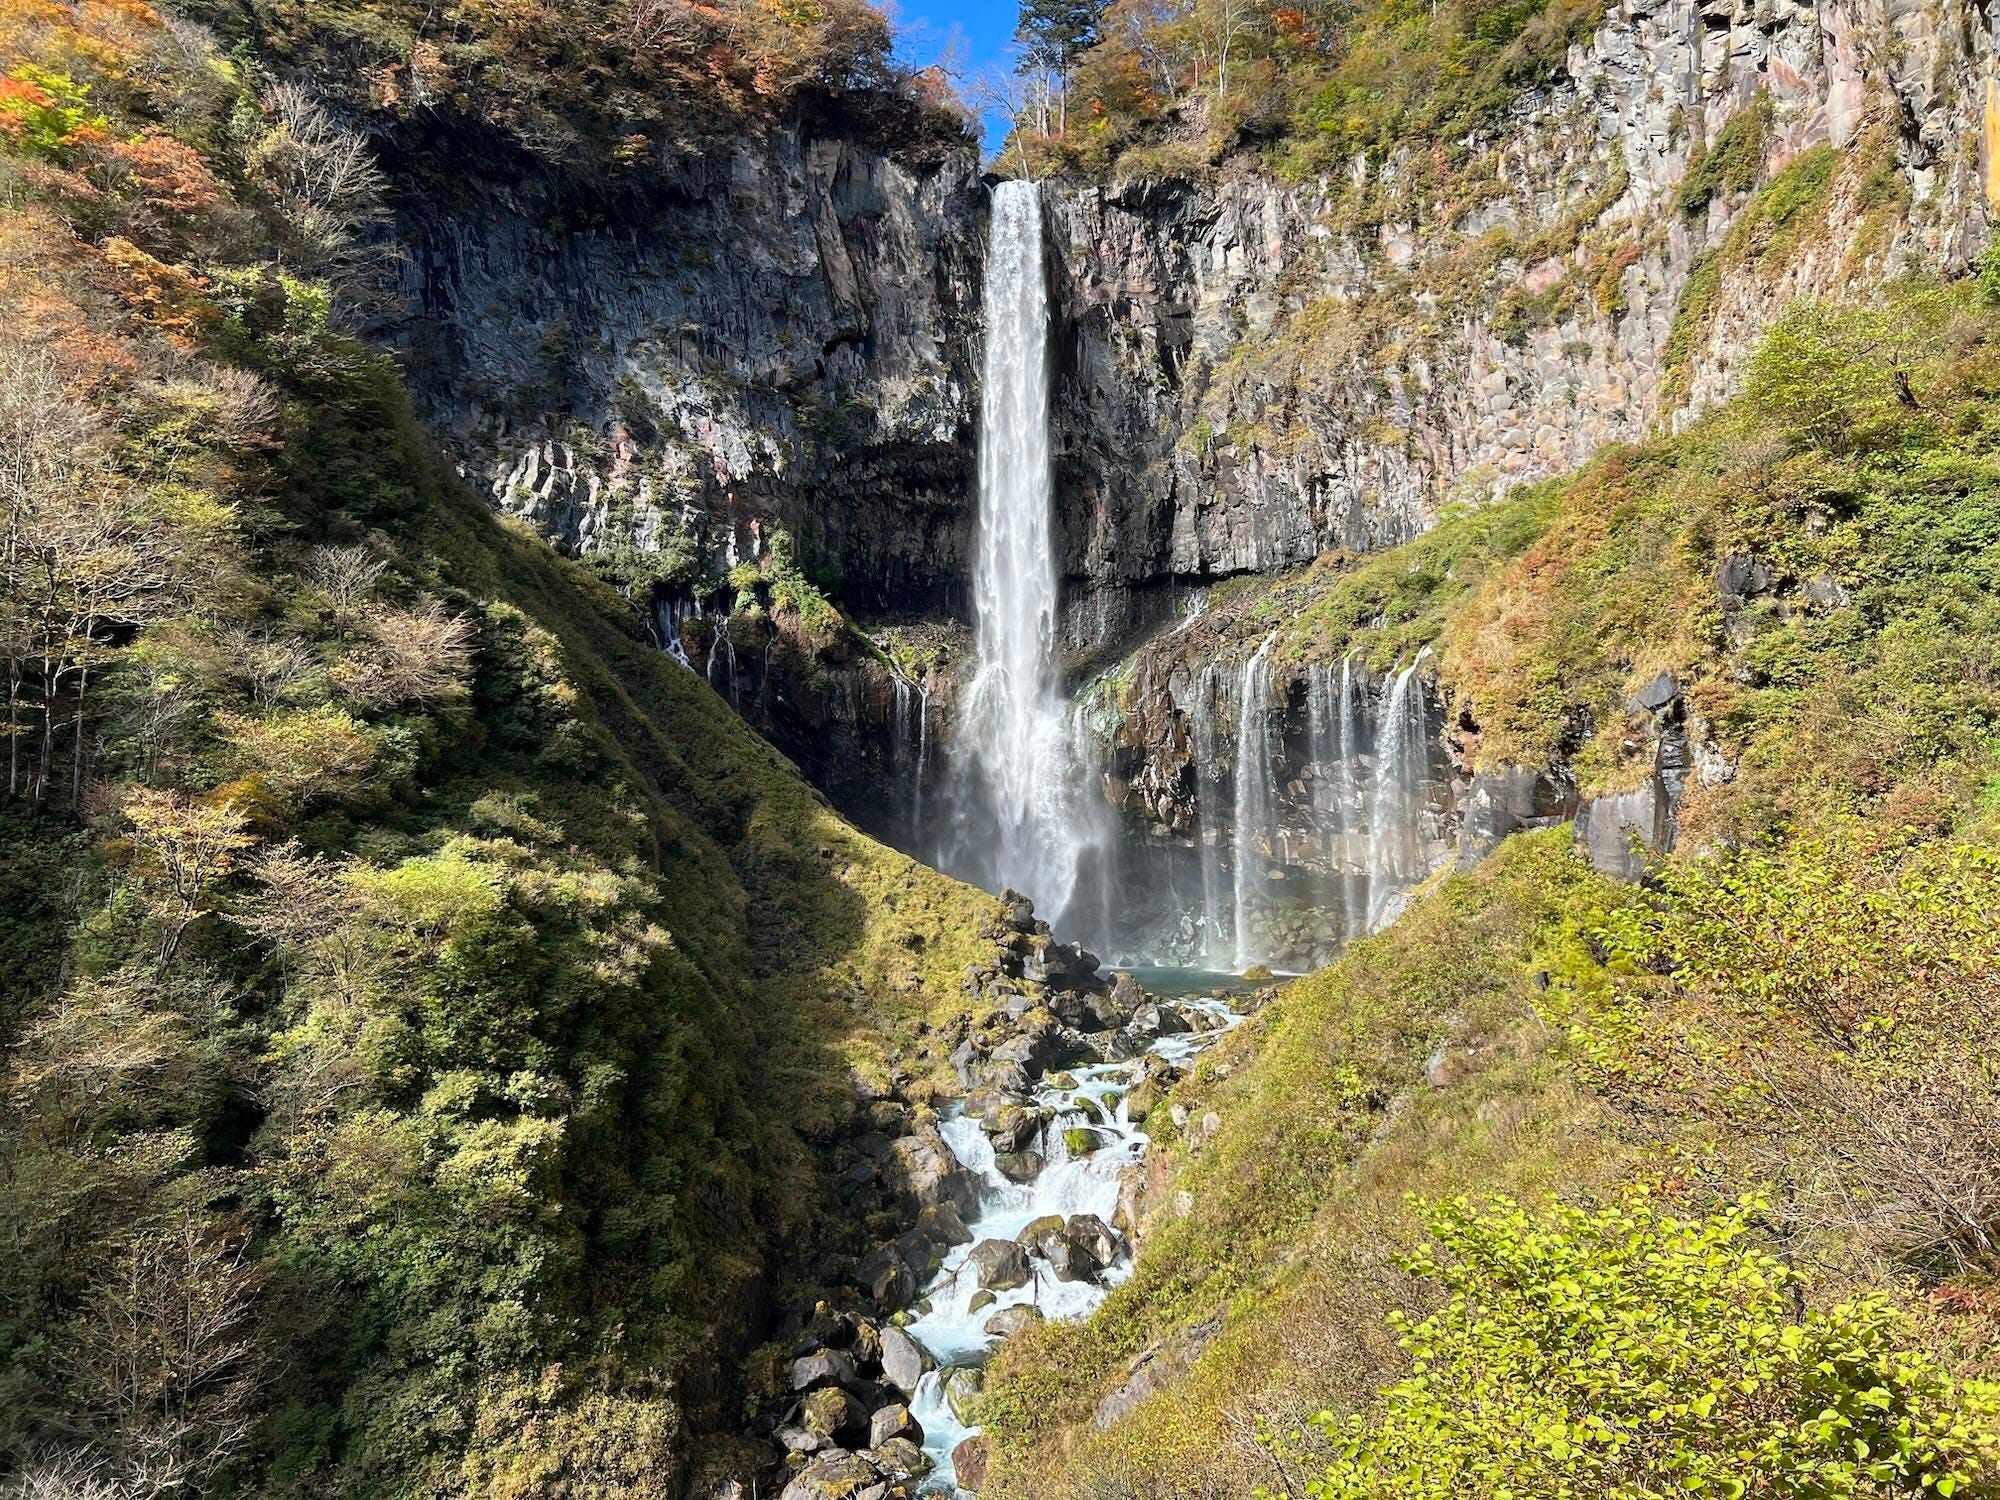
{"x": 722, "y": 652}
{"x": 1023, "y": 816}
{"x": 1347, "y": 794}
{"x": 923, "y": 756}
{"x": 1208, "y": 835}
{"x": 1254, "y": 798}
{"x": 899, "y": 720}
{"x": 1402, "y": 758}
{"x": 670, "y": 611}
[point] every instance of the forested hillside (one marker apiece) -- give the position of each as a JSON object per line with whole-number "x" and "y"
{"x": 422, "y": 996}
{"x": 1564, "y": 1186}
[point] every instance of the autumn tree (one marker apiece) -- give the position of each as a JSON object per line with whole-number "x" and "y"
{"x": 184, "y": 845}
{"x": 47, "y": 439}
{"x": 419, "y": 655}
{"x": 325, "y": 185}
{"x": 165, "y": 1362}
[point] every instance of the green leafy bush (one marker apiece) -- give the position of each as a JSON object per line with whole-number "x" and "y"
{"x": 1625, "y": 1352}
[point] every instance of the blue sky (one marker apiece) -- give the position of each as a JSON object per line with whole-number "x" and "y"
{"x": 983, "y": 30}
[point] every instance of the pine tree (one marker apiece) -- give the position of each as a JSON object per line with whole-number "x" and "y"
{"x": 1053, "y": 34}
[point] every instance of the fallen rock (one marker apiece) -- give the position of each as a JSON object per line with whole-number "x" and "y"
{"x": 1081, "y": 1140}
{"x": 802, "y": 1439}
{"x": 1142, "y": 1101}
{"x": 867, "y": 1345}
{"x": 1020, "y": 910}
{"x": 832, "y": 1412}
{"x": 832, "y": 1476}
{"x": 1069, "y": 1261}
{"x": 963, "y": 1385}
{"x": 1012, "y": 1320}
{"x": 1036, "y": 1228}
{"x": 886, "y": 1277}
{"x": 921, "y": 1170}
{"x": 903, "y": 1360}
{"x": 1094, "y": 1237}
{"x": 892, "y": 1422}
{"x": 899, "y": 1455}
{"x": 944, "y": 1224}
{"x": 1001, "y": 1265}
{"x": 969, "y": 1460}
{"x": 920, "y": 1252}
{"x": 827, "y": 1367}
{"x": 1012, "y": 1127}
{"x": 1018, "y": 1166}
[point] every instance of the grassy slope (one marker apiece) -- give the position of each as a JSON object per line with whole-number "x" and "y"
{"x": 1285, "y": 1247}
{"x": 1839, "y": 959}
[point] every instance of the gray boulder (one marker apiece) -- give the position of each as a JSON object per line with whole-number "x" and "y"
{"x": 920, "y": 1169}
{"x": 886, "y": 1277}
{"x": 969, "y": 1461}
{"x": 1094, "y": 1237}
{"x": 1012, "y": 1320}
{"x": 944, "y": 1224}
{"x": 1018, "y": 1166}
{"x": 900, "y": 1455}
{"x": 903, "y": 1360}
{"x": 963, "y": 1385}
{"x": 891, "y": 1422}
{"x": 832, "y": 1412}
{"x": 827, "y": 1367}
{"x": 832, "y": 1476}
{"x": 1001, "y": 1265}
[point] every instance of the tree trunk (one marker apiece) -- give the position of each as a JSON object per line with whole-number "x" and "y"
{"x": 76, "y": 750}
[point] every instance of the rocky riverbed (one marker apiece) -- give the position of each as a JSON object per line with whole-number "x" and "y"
{"x": 1006, "y": 1201}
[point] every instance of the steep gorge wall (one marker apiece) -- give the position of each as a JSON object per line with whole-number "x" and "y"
{"x": 1248, "y": 371}
{"x": 778, "y": 337}
{"x": 1253, "y": 372}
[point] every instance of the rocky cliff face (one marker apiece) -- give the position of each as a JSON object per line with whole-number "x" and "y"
{"x": 1249, "y": 372}
{"x": 1252, "y": 372}
{"x": 780, "y": 337}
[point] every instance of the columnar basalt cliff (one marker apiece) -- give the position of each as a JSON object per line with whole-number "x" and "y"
{"x": 1254, "y": 372}
{"x": 1248, "y": 372}
{"x": 778, "y": 337}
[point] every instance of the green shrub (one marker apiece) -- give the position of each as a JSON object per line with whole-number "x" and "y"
{"x": 1624, "y": 1352}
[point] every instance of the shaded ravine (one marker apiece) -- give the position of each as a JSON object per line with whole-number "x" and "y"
{"x": 1001, "y": 1205}
{"x": 1060, "y": 1218}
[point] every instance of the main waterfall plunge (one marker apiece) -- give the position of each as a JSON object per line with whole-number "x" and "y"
{"x": 1281, "y": 808}
{"x": 1310, "y": 820}
{"x": 1024, "y": 814}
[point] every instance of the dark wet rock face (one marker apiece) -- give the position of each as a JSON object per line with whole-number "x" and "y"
{"x": 777, "y": 337}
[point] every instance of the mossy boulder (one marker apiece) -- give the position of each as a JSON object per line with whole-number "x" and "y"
{"x": 1019, "y": 1166}
{"x": 1081, "y": 1140}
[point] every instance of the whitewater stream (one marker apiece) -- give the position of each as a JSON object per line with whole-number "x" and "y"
{"x": 950, "y": 1330}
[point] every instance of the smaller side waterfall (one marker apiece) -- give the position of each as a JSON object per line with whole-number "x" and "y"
{"x": 1395, "y": 851}
{"x": 1342, "y": 814}
{"x": 722, "y": 661}
{"x": 1254, "y": 799}
{"x": 1208, "y": 832}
